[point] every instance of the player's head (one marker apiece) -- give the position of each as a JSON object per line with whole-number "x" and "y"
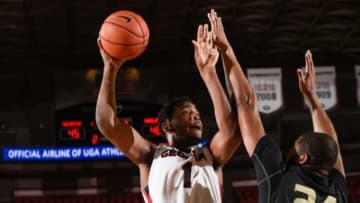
{"x": 180, "y": 123}
{"x": 316, "y": 151}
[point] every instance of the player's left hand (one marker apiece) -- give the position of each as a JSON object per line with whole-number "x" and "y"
{"x": 205, "y": 53}
{"x": 307, "y": 84}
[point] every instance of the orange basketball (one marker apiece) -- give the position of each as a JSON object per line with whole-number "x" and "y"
{"x": 124, "y": 35}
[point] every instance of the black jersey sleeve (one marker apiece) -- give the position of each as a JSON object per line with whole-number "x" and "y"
{"x": 268, "y": 163}
{"x": 340, "y": 184}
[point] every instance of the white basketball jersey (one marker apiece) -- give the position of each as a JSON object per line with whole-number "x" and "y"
{"x": 179, "y": 177}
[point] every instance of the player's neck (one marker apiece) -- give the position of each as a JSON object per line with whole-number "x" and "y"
{"x": 184, "y": 148}
{"x": 181, "y": 143}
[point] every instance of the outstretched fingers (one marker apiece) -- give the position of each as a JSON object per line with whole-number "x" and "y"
{"x": 309, "y": 68}
{"x": 311, "y": 62}
{"x": 206, "y": 29}
{"x": 307, "y": 62}
{"x": 199, "y": 32}
{"x": 300, "y": 74}
{"x": 212, "y": 19}
{"x": 202, "y": 32}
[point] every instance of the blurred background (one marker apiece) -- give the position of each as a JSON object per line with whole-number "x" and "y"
{"x": 50, "y": 71}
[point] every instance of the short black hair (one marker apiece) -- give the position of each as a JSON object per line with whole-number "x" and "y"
{"x": 167, "y": 110}
{"x": 321, "y": 149}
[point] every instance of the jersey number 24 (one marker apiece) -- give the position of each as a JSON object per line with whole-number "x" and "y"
{"x": 311, "y": 195}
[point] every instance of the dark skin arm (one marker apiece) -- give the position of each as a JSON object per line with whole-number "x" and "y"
{"x": 226, "y": 140}
{"x": 124, "y": 137}
{"x": 320, "y": 119}
{"x": 248, "y": 116}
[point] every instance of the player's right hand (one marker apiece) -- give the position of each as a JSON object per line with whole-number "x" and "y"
{"x": 307, "y": 84}
{"x": 205, "y": 53}
{"x": 108, "y": 60}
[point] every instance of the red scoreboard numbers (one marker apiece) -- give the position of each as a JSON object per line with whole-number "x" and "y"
{"x": 72, "y": 130}
{"x": 76, "y": 125}
{"x": 152, "y": 125}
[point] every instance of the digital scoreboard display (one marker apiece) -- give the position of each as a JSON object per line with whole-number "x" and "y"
{"x": 76, "y": 125}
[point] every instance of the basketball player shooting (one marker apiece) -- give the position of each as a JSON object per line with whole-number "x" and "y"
{"x": 178, "y": 171}
{"x": 316, "y": 172}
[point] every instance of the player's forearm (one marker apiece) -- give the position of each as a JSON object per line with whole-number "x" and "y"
{"x": 239, "y": 85}
{"x": 222, "y": 108}
{"x": 229, "y": 59}
{"x": 248, "y": 116}
{"x": 106, "y": 113}
{"x": 320, "y": 119}
{"x": 227, "y": 139}
{"x": 227, "y": 62}
{"x": 323, "y": 124}
{"x": 244, "y": 93}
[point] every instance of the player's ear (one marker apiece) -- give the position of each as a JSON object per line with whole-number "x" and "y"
{"x": 166, "y": 126}
{"x": 303, "y": 159}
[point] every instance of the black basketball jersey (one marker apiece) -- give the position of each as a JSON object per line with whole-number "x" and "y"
{"x": 299, "y": 184}
{"x": 293, "y": 184}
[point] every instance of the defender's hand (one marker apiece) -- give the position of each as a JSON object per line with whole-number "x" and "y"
{"x": 217, "y": 29}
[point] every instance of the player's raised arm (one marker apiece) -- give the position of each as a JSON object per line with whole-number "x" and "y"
{"x": 126, "y": 138}
{"x": 222, "y": 43}
{"x": 320, "y": 119}
{"x": 225, "y": 142}
{"x": 248, "y": 116}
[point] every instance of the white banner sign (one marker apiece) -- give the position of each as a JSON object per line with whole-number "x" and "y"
{"x": 326, "y": 86}
{"x": 267, "y": 85}
{"x": 357, "y": 75}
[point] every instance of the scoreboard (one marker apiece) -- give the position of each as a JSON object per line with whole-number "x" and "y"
{"x": 76, "y": 125}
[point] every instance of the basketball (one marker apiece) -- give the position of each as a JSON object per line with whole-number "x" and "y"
{"x": 124, "y": 35}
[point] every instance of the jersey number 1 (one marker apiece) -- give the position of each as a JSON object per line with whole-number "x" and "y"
{"x": 187, "y": 174}
{"x": 311, "y": 195}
